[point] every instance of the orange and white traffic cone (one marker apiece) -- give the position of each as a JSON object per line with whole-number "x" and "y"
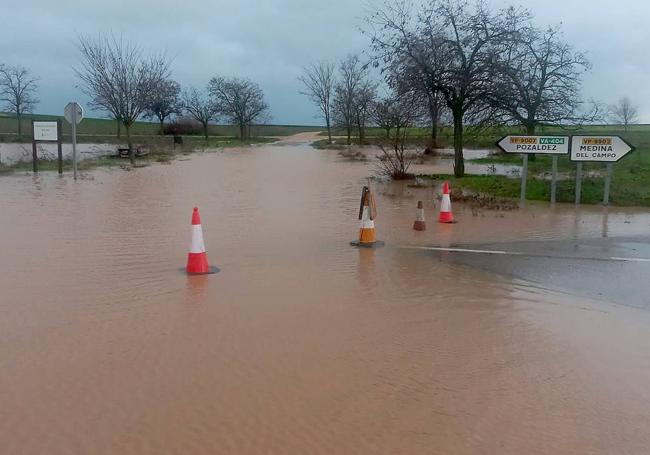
{"x": 367, "y": 215}
{"x": 445, "y": 206}
{"x": 197, "y": 260}
{"x": 420, "y": 224}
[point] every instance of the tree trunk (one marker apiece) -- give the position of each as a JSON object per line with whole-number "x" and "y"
{"x": 434, "y": 114}
{"x": 459, "y": 162}
{"x": 205, "y": 130}
{"x": 242, "y": 131}
{"x": 20, "y": 125}
{"x": 119, "y": 128}
{"x": 329, "y": 129}
{"x": 349, "y": 129}
{"x": 162, "y": 127}
{"x": 128, "y": 140}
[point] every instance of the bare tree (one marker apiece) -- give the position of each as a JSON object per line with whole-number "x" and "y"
{"x": 382, "y": 115}
{"x": 318, "y": 79}
{"x": 403, "y": 111}
{"x": 352, "y": 78}
{"x": 625, "y": 112}
{"x": 451, "y": 45}
{"x": 120, "y": 78}
{"x": 540, "y": 79}
{"x": 363, "y": 103}
{"x": 165, "y": 101}
{"x": 200, "y": 107}
{"x": 241, "y": 101}
{"x": 18, "y": 91}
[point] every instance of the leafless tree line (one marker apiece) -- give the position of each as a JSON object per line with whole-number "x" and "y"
{"x": 458, "y": 59}
{"x": 128, "y": 84}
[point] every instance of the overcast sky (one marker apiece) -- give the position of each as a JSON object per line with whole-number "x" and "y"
{"x": 269, "y": 40}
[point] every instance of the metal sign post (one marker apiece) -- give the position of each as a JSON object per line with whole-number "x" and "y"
{"x": 554, "y": 179}
{"x": 74, "y": 114}
{"x": 608, "y": 182}
{"x": 578, "y": 182}
{"x": 524, "y": 177}
{"x": 525, "y": 145}
{"x": 603, "y": 149}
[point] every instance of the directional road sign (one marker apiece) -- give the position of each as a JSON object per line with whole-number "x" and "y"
{"x": 552, "y": 145}
{"x": 608, "y": 149}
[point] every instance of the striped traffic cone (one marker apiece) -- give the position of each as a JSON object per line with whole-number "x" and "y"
{"x": 197, "y": 260}
{"x": 367, "y": 215}
{"x": 445, "y": 206}
{"x": 420, "y": 224}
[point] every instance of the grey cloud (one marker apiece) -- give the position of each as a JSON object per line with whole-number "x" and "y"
{"x": 269, "y": 41}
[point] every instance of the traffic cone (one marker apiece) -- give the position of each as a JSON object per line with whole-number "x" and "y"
{"x": 420, "y": 224}
{"x": 367, "y": 215}
{"x": 197, "y": 260}
{"x": 445, "y": 206}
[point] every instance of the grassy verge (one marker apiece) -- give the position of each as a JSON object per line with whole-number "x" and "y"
{"x": 622, "y": 192}
{"x": 157, "y": 154}
{"x": 221, "y": 142}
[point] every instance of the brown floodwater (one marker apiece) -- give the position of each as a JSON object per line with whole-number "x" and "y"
{"x": 301, "y": 344}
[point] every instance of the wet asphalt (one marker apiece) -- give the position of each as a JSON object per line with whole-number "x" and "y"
{"x": 615, "y": 270}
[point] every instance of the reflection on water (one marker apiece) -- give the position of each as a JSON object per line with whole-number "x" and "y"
{"x": 301, "y": 344}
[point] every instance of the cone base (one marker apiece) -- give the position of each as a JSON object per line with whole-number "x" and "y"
{"x": 420, "y": 226}
{"x": 375, "y": 244}
{"x": 446, "y": 218}
{"x": 211, "y": 270}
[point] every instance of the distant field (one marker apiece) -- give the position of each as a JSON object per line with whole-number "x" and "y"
{"x": 105, "y": 130}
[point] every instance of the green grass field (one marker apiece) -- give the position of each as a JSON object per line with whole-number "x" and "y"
{"x": 105, "y": 130}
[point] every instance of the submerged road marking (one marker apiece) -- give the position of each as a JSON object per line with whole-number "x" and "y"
{"x": 630, "y": 259}
{"x": 462, "y": 250}
{"x": 519, "y": 253}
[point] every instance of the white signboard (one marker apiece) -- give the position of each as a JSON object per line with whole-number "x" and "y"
{"x": 552, "y": 145}
{"x": 599, "y": 148}
{"x": 45, "y": 131}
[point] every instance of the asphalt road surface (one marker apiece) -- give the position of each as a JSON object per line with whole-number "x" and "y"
{"x": 611, "y": 269}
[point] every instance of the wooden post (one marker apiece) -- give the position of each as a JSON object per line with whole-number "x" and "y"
{"x": 34, "y": 155}
{"x": 59, "y": 127}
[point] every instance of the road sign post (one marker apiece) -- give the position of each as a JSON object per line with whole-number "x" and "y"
{"x": 74, "y": 114}
{"x": 554, "y": 180}
{"x": 608, "y": 183}
{"x": 524, "y": 177}
{"x": 578, "y": 182}
{"x": 525, "y": 145}
{"x": 602, "y": 149}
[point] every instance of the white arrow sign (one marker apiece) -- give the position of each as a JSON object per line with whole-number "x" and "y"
{"x": 552, "y": 145}
{"x": 599, "y": 148}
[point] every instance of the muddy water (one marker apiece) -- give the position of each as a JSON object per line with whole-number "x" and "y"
{"x": 301, "y": 344}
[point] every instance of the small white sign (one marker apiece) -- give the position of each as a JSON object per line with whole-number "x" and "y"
{"x": 552, "y": 145}
{"x": 599, "y": 148}
{"x": 46, "y": 131}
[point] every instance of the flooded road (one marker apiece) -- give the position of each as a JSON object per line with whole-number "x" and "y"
{"x": 301, "y": 344}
